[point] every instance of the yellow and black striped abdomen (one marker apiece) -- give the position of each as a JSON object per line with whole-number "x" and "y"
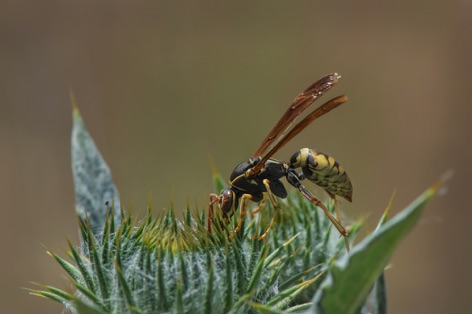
{"x": 324, "y": 171}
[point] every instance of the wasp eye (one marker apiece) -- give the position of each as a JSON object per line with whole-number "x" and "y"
{"x": 226, "y": 201}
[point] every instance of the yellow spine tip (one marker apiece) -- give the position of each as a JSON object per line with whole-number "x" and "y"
{"x": 73, "y": 101}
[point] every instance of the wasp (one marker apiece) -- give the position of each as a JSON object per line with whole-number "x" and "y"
{"x": 261, "y": 175}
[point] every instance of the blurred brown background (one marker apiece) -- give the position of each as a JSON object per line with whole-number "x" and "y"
{"x": 162, "y": 86}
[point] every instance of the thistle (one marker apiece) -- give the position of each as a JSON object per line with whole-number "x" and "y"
{"x": 168, "y": 265}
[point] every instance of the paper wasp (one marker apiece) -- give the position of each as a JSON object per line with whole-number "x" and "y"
{"x": 261, "y": 173}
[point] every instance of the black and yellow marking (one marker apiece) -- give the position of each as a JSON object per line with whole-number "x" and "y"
{"x": 324, "y": 171}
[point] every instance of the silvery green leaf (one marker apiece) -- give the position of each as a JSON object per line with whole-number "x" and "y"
{"x": 95, "y": 192}
{"x": 350, "y": 279}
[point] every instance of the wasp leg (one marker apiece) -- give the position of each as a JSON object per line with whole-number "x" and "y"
{"x": 269, "y": 192}
{"x": 271, "y": 198}
{"x": 338, "y": 217}
{"x": 274, "y": 203}
{"x": 294, "y": 180}
{"x": 333, "y": 220}
{"x": 318, "y": 203}
{"x": 259, "y": 207}
{"x": 333, "y": 197}
{"x": 242, "y": 213}
{"x": 213, "y": 200}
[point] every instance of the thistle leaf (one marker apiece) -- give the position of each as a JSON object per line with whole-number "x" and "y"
{"x": 351, "y": 278}
{"x": 94, "y": 189}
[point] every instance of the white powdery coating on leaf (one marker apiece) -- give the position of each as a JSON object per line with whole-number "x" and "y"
{"x": 94, "y": 187}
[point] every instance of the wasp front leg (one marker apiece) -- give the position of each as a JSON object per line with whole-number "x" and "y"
{"x": 213, "y": 199}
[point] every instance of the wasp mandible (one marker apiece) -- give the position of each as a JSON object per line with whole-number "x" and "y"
{"x": 261, "y": 174}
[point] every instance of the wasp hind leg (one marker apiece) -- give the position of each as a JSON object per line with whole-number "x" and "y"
{"x": 294, "y": 179}
{"x": 338, "y": 217}
{"x": 333, "y": 220}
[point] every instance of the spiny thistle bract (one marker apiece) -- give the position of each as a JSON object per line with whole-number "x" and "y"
{"x": 170, "y": 265}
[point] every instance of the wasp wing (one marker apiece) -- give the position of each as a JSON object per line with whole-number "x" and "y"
{"x": 315, "y": 114}
{"x": 303, "y": 101}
